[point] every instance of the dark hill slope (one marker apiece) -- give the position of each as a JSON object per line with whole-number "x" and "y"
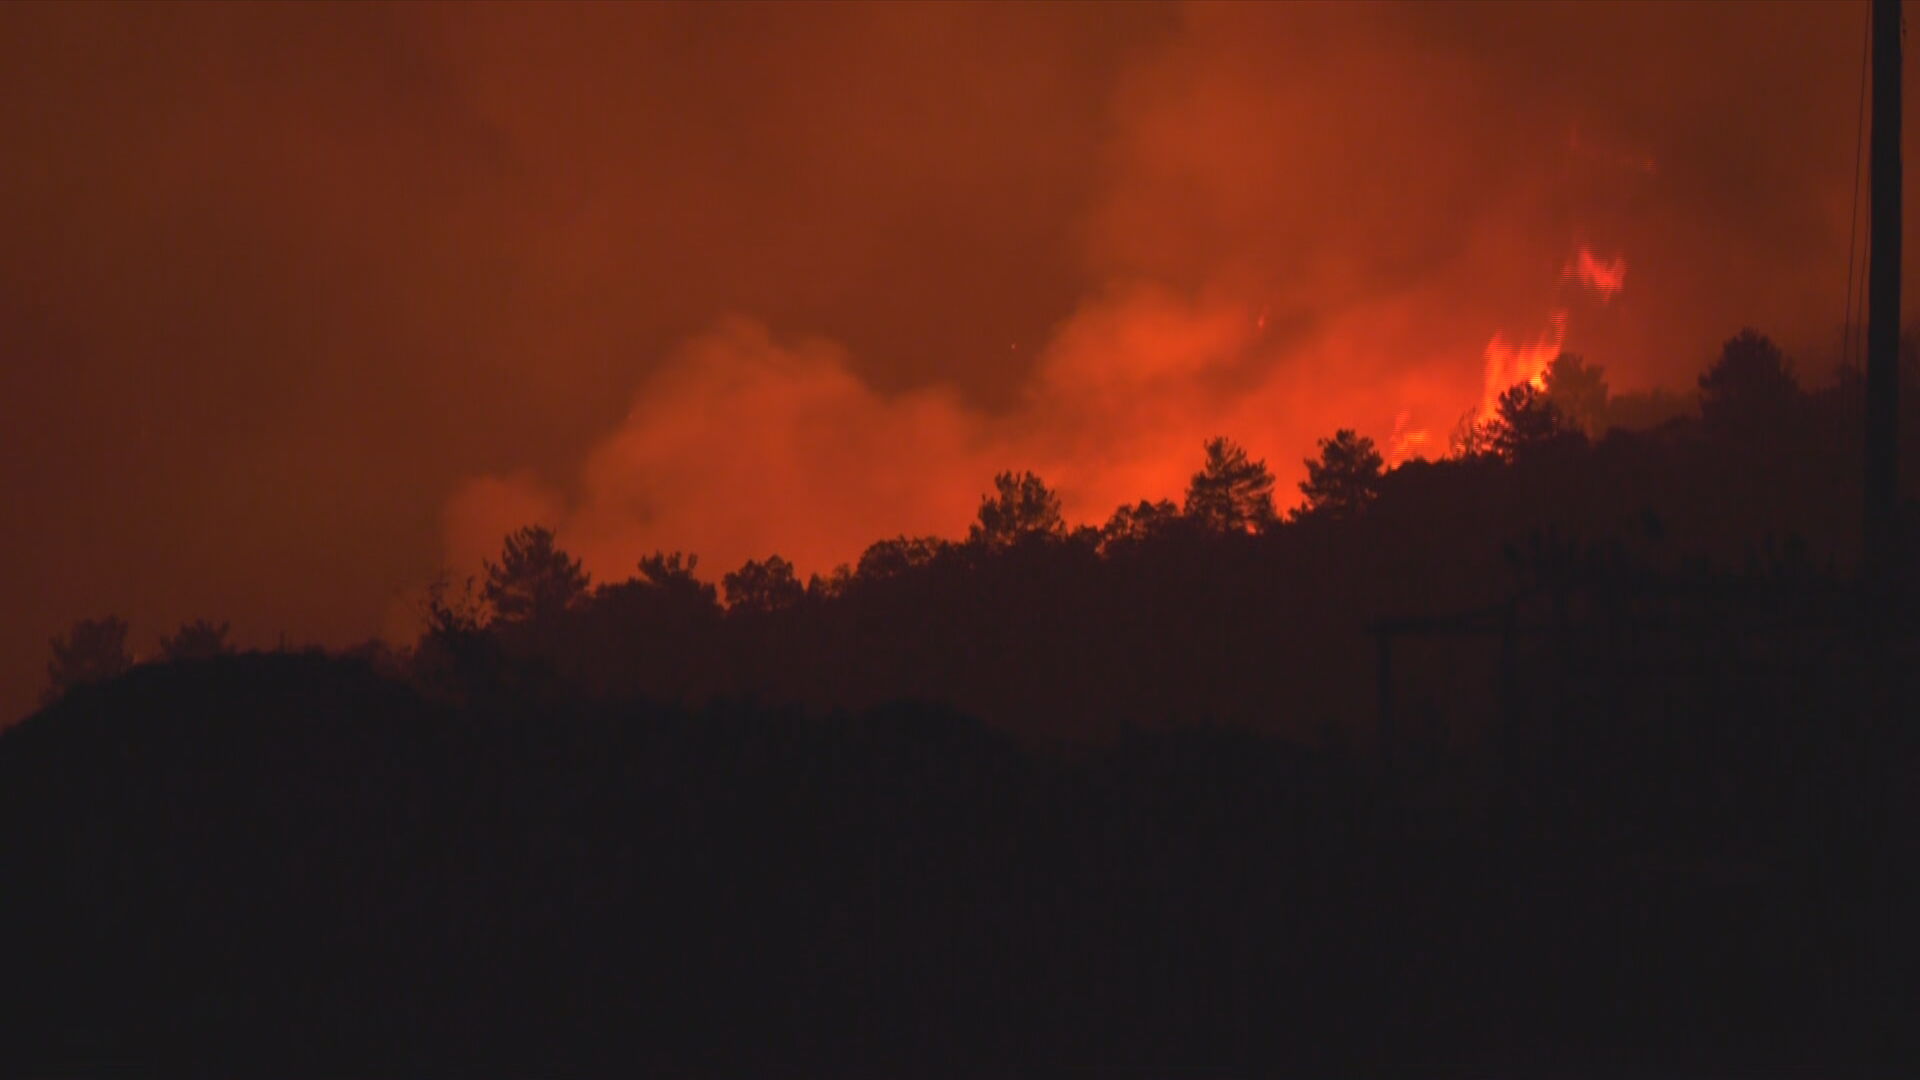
{"x": 286, "y": 862}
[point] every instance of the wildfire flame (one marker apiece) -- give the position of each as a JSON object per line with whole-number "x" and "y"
{"x": 1407, "y": 442}
{"x": 1606, "y": 278}
{"x": 1509, "y": 364}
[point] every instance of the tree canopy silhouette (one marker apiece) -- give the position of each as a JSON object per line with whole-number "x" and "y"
{"x": 1021, "y": 506}
{"x": 763, "y": 586}
{"x": 645, "y": 830}
{"x": 1230, "y": 493}
{"x": 1750, "y": 386}
{"x": 1644, "y": 410}
{"x": 1345, "y": 478}
{"x": 1143, "y": 520}
{"x": 200, "y": 639}
{"x": 448, "y": 612}
{"x": 670, "y": 576}
{"x": 1526, "y": 420}
{"x": 1579, "y": 391}
{"x": 454, "y": 650}
{"x": 91, "y": 651}
{"x": 890, "y": 558}
{"x": 535, "y": 580}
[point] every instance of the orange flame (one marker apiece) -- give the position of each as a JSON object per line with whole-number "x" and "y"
{"x": 1509, "y": 364}
{"x": 1406, "y": 443}
{"x": 1605, "y": 278}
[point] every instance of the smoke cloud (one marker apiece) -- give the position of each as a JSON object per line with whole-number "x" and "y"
{"x": 300, "y": 304}
{"x": 1302, "y": 219}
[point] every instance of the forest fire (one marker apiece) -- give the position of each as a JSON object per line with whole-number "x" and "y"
{"x": 1134, "y": 230}
{"x": 1406, "y": 443}
{"x": 879, "y": 539}
{"x": 1510, "y": 363}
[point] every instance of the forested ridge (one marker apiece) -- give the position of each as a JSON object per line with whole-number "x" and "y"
{"x": 1570, "y": 750}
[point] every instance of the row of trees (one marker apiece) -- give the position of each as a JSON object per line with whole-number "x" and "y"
{"x": 1749, "y": 390}
{"x": 1656, "y": 814}
{"x": 96, "y": 649}
{"x": 1750, "y": 387}
{"x": 536, "y": 580}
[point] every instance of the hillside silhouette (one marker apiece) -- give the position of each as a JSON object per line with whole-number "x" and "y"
{"x": 1571, "y": 751}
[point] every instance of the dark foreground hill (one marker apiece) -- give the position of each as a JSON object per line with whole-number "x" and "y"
{"x": 290, "y": 863}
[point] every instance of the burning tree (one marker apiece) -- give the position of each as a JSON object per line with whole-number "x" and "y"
{"x": 1525, "y": 420}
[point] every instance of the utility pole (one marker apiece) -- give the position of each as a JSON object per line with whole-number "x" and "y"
{"x": 1883, "y": 313}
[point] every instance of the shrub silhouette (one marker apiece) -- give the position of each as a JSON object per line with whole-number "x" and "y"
{"x": 200, "y": 639}
{"x": 91, "y": 651}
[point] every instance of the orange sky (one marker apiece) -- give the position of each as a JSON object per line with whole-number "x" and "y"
{"x": 298, "y": 304}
